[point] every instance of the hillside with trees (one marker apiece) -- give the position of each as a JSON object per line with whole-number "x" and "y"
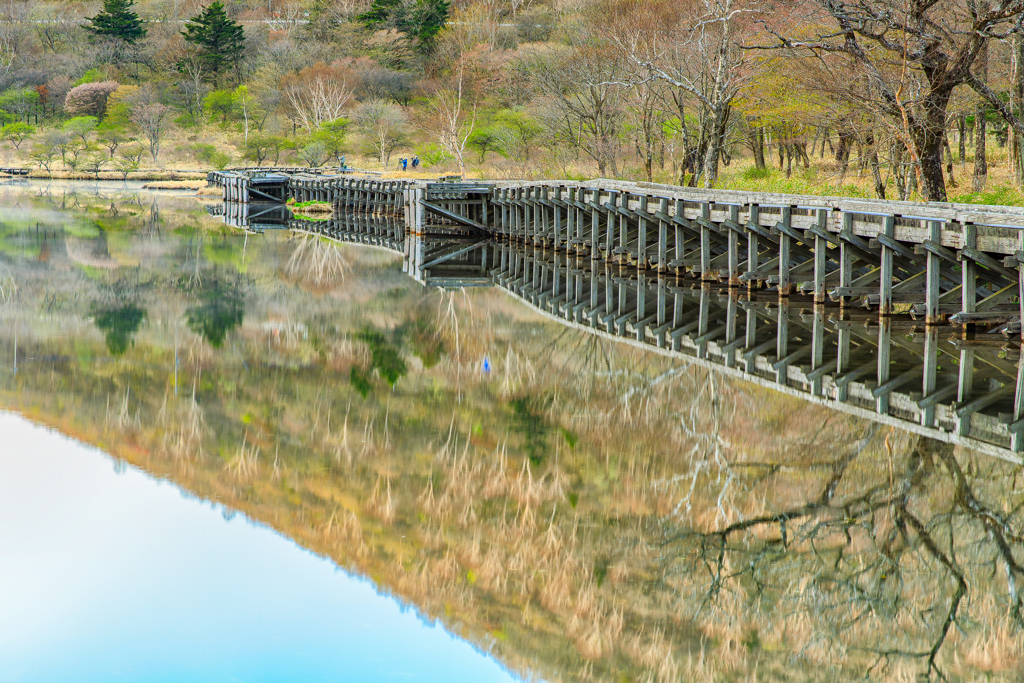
{"x": 917, "y": 99}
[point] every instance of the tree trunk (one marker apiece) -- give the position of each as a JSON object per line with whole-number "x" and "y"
{"x": 1016, "y": 105}
{"x": 928, "y": 146}
{"x": 876, "y": 167}
{"x": 714, "y": 148}
{"x": 980, "y": 129}
{"x": 949, "y": 161}
{"x": 961, "y": 127}
{"x": 758, "y": 145}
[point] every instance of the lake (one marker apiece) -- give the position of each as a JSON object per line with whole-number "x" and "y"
{"x": 272, "y": 456}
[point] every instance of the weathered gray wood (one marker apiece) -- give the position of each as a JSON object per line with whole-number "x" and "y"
{"x": 885, "y": 275}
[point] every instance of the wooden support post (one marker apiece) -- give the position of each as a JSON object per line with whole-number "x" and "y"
{"x": 968, "y": 271}
{"x": 932, "y": 291}
{"x": 680, "y": 238}
{"x": 663, "y": 237}
{"x": 623, "y": 239}
{"x": 753, "y": 245}
{"x": 782, "y": 341}
{"x": 843, "y": 362}
{"x": 884, "y": 360}
{"x": 705, "y": 243}
{"x": 595, "y": 224}
{"x": 820, "y": 258}
{"x": 1017, "y": 435}
{"x": 641, "y": 245}
{"x": 703, "y": 319}
{"x": 785, "y": 262}
{"x": 931, "y": 364}
{"x": 734, "y": 248}
{"x": 846, "y": 259}
{"x": 557, "y": 218}
{"x": 731, "y": 313}
{"x": 817, "y": 347}
{"x": 885, "y": 274}
{"x": 965, "y": 382}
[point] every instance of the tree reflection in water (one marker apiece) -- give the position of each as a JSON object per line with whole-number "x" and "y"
{"x": 586, "y": 510}
{"x": 119, "y": 325}
{"x": 219, "y": 309}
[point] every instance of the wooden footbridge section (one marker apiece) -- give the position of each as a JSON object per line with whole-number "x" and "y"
{"x": 845, "y": 302}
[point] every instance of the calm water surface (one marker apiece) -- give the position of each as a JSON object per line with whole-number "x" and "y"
{"x": 275, "y": 458}
{"x": 109, "y": 574}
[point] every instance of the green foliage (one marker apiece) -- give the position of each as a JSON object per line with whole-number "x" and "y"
{"x": 220, "y": 39}
{"x": 220, "y": 309}
{"x": 210, "y": 155}
{"x": 16, "y": 133}
{"x": 220, "y": 103}
{"x": 420, "y": 19}
{"x": 528, "y": 421}
{"x": 755, "y": 173}
{"x": 996, "y": 195}
{"x": 432, "y": 154}
{"x": 119, "y": 106}
{"x": 485, "y": 139}
{"x": 119, "y": 324}
{"x": 92, "y": 76}
{"x": 117, "y": 20}
{"x": 16, "y": 102}
{"x": 81, "y": 127}
{"x": 385, "y": 358}
{"x": 333, "y": 136}
{"x": 359, "y": 381}
{"x": 260, "y": 147}
{"x": 425, "y": 343}
{"x": 128, "y": 159}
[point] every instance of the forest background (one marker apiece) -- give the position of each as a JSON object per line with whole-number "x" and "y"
{"x": 897, "y": 99}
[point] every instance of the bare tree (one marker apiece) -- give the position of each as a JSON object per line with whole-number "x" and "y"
{"x": 913, "y": 53}
{"x": 453, "y": 112}
{"x": 693, "y": 47}
{"x": 318, "y": 100}
{"x": 151, "y": 119}
{"x": 581, "y": 96}
{"x": 384, "y": 125}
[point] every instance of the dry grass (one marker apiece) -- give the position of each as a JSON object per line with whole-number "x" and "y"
{"x": 177, "y": 185}
{"x": 316, "y": 261}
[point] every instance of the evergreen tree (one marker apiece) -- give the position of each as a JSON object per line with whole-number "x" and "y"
{"x": 419, "y": 19}
{"x": 117, "y": 20}
{"x": 219, "y": 38}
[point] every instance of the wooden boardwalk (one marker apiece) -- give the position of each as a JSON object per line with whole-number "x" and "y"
{"x": 934, "y": 261}
{"x": 843, "y": 302}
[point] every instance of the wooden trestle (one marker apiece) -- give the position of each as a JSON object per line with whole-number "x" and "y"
{"x": 833, "y": 299}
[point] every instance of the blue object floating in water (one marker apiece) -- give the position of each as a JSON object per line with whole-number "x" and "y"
{"x": 487, "y": 364}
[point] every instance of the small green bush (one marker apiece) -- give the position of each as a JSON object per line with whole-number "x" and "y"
{"x": 208, "y": 154}
{"x": 755, "y": 173}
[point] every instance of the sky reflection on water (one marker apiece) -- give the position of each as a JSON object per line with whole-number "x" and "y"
{"x": 116, "y": 576}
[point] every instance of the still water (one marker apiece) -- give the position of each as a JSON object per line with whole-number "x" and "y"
{"x": 230, "y": 456}
{"x": 110, "y": 574}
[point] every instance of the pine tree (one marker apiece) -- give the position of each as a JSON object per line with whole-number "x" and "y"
{"x": 419, "y": 19}
{"x": 219, "y": 38}
{"x": 117, "y": 20}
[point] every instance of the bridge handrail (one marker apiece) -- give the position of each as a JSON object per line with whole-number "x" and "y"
{"x": 983, "y": 214}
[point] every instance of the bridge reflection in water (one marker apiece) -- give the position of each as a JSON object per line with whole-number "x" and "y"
{"x": 940, "y": 382}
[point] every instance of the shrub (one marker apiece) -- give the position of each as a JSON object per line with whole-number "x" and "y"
{"x": 89, "y": 99}
{"x": 755, "y": 173}
{"x": 432, "y": 154}
{"x": 210, "y": 155}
